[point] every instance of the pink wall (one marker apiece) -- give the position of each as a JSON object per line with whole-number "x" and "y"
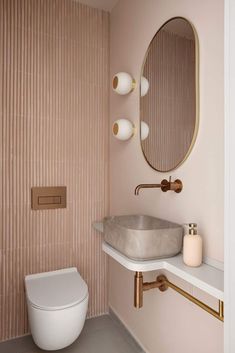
{"x": 169, "y": 323}
{"x": 54, "y": 69}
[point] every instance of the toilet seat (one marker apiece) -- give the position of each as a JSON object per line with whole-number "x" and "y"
{"x": 56, "y": 290}
{"x": 52, "y": 308}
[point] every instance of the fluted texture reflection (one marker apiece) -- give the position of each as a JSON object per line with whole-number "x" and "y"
{"x": 169, "y": 108}
{"x": 54, "y": 70}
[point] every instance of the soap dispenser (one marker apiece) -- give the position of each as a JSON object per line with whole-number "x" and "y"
{"x": 192, "y": 249}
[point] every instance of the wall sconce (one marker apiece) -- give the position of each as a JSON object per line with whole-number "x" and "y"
{"x": 123, "y": 83}
{"x": 144, "y": 86}
{"x": 123, "y": 129}
{"x": 144, "y": 130}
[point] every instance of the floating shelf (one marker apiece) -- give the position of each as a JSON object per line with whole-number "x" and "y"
{"x": 207, "y": 278}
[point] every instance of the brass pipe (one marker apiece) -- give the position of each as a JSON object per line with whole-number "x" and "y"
{"x": 151, "y": 285}
{"x": 138, "y": 286}
{"x": 163, "y": 284}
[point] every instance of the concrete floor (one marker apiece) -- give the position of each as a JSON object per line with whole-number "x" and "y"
{"x": 104, "y": 334}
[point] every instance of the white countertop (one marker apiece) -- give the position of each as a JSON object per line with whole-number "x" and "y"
{"x": 207, "y": 278}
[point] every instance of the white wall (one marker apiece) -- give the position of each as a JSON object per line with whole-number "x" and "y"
{"x": 168, "y": 323}
{"x": 229, "y": 176}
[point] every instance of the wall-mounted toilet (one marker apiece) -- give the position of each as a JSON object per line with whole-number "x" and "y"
{"x": 57, "y": 305}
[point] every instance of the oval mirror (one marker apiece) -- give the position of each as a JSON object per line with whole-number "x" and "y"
{"x": 169, "y": 96}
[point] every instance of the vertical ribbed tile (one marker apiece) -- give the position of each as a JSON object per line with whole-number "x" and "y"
{"x": 54, "y": 111}
{"x": 169, "y": 106}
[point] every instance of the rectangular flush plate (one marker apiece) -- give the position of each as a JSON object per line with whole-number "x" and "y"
{"x": 43, "y": 198}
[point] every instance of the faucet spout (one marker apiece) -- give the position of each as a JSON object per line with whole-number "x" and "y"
{"x": 146, "y": 186}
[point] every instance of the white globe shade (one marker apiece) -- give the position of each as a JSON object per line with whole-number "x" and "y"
{"x": 144, "y": 86}
{"x": 144, "y": 130}
{"x": 123, "y": 83}
{"x": 123, "y": 129}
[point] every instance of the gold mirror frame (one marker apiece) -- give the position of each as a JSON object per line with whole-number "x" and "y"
{"x": 196, "y": 128}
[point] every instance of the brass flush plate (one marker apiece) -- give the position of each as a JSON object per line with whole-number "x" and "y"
{"x": 43, "y": 198}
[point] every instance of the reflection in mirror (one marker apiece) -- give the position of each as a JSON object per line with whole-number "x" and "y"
{"x": 168, "y": 104}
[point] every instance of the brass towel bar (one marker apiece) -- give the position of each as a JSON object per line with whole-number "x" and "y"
{"x": 163, "y": 284}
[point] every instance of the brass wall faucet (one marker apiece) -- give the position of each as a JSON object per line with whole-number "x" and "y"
{"x": 165, "y": 186}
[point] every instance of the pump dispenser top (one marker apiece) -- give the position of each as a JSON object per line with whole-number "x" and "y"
{"x": 192, "y": 228}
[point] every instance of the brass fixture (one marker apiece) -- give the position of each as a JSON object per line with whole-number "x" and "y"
{"x": 48, "y": 197}
{"x": 163, "y": 284}
{"x": 115, "y": 128}
{"x": 165, "y": 186}
{"x": 141, "y": 286}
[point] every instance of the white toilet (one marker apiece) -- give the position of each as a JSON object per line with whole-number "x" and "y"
{"x": 57, "y": 306}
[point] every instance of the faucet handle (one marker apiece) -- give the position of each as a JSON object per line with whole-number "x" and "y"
{"x": 176, "y": 185}
{"x": 165, "y": 185}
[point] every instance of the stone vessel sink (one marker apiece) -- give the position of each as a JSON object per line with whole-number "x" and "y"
{"x": 141, "y": 237}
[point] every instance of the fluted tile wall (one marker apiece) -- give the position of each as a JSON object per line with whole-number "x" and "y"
{"x": 169, "y": 106}
{"x": 54, "y": 70}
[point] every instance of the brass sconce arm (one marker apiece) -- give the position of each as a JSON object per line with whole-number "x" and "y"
{"x": 165, "y": 186}
{"x": 163, "y": 284}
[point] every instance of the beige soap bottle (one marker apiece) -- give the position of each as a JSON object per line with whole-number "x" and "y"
{"x": 192, "y": 248}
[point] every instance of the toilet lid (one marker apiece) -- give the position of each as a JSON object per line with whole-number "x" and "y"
{"x": 56, "y": 289}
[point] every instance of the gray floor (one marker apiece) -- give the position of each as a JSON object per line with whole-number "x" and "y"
{"x": 104, "y": 334}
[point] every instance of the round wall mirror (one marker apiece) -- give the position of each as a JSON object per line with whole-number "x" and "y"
{"x": 169, "y": 96}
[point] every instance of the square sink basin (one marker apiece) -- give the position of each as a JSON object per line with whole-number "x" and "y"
{"x": 141, "y": 237}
